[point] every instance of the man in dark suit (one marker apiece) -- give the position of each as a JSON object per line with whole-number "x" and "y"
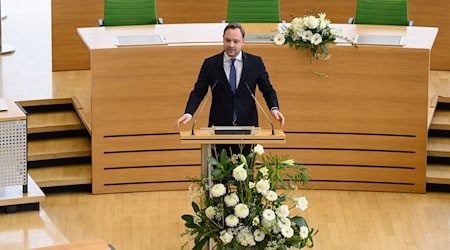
{"x": 231, "y": 75}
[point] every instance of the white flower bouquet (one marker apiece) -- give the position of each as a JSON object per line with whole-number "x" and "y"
{"x": 311, "y": 31}
{"x": 240, "y": 206}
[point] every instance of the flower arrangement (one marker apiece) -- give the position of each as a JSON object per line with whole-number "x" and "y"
{"x": 239, "y": 206}
{"x": 311, "y": 31}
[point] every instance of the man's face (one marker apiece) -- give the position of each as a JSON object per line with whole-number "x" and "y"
{"x": 232, "y": 42}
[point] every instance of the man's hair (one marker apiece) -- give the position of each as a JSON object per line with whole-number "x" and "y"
{"x": 235, "y": 26}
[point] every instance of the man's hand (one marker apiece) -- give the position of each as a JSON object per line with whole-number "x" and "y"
{"x": 278, "y": 116}
{"x": 183, "y": 120}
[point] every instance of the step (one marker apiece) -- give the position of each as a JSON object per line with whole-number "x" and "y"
{"x": 57, "y": 148}
{"x": 438, "y": 146}
{"x": 444, "y": 99}
{"x": 438, "y": 173}
{"x": 62, "y": 175}
{"x": 45, "y": 102}
{"x": 441, "y": 118}
{"x": 83, "y": 112}
{"x": 53, "y": 121}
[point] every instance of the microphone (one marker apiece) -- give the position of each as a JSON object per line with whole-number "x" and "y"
{"x": 202, "y": 107}
{"x": 260, "y": 107}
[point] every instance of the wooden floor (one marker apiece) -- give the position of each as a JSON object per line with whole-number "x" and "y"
{"x": 151, "y": 220}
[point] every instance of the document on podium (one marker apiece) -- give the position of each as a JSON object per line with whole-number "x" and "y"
{"x": 139, "y": 40}
{"x": 389, "y": 40}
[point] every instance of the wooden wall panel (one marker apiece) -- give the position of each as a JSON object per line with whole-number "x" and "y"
{"x": 68, "y": 51}
{"x": 434, "y": 14}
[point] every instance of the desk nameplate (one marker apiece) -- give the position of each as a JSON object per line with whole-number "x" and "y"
{"x": 387, "y": 40}
{"x": 139, "y": 40}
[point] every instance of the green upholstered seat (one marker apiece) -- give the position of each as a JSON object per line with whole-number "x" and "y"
{"x": 129, "y": 12}
{"x": 253, "y": 11}
{"x": 382, "y": 12}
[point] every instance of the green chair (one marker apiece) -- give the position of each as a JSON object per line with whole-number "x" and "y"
{"x": 129, "y": 12}
{"x": 253, "y": 11}
{"x": 382, "y": 12}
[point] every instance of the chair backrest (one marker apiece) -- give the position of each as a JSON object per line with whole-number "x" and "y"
{"x": 129, "y": 12}
{"x": 253, "y": 11}
{"x": 383, "y": 12}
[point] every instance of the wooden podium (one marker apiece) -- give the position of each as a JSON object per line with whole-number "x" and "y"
{"x": 208, "y": 136}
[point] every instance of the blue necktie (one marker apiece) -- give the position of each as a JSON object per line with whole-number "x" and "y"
{"x": 233, "y": 84}
{"x": 233, "y": 76}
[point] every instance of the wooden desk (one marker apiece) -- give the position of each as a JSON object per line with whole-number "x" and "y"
{"x": 364, "y": 127}
{"x": 69, "y": 52}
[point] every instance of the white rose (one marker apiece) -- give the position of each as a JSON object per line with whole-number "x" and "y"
{"x": 231, "y": 220}
{"x": 251, "y": 184}
{"x": 231, "y": 199}
{"x": 226, "y": 236}
{"x": 301, "y": 203}
{"x": 279, "y": 39}
{"x": 239, "y": 173}
{"x": 297, "y": 25}
{"x": 282, "y": 211}
{"x": 263, "y": 186}
{"x": 304, "y": 232}
{"x": 268, "y": 215}
{"x": 245, "y": 237}
{"x": 271, "y": 196}
{"x": 241, "y": 210}
{"x": 258, "y": 149}
{"x": 218, "y": 190}
{"x": 311, "y": 22}
{"x": 259, "y": 235}
{"x": 287, "y": 232}
{"x": 284, "y": 222}
{"x": 210, "y": 212}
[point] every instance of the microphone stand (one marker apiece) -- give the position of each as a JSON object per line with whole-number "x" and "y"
{"x": 260, "y": 107}
{"x": 201, "y": 108}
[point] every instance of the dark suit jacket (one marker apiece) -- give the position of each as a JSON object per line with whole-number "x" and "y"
{"x": 224, "y": 101}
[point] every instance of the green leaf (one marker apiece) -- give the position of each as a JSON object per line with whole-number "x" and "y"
{"x": 300, "y": 221}
{"x": 188, "y": 218}
{"x": 195, "y": 207}
{"x": 217, "y": 173}
{"x": 212, "y": 161}
{"x": 191, "y": 225}
{"x": 223, "y": 155}
{"x": 199, "y": 245}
